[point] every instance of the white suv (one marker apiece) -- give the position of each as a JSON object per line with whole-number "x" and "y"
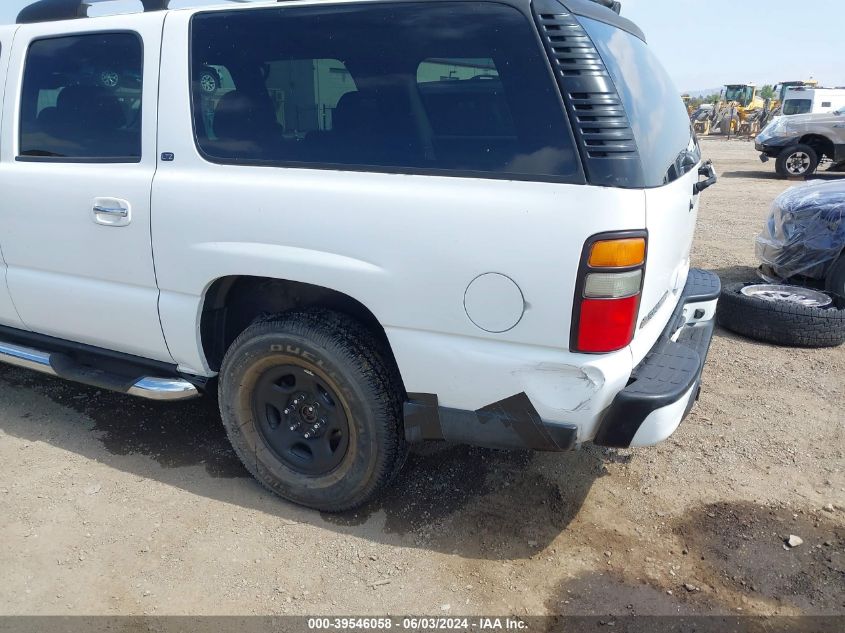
{"x": 386, "y": 222}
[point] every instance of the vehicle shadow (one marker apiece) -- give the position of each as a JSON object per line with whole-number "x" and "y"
{"x": 461, "y": 500}
{"x": 771, "y": 175}
{"x": 731, "y": 274}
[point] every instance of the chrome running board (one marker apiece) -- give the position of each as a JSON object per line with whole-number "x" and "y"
{"x": 60, "y": 365}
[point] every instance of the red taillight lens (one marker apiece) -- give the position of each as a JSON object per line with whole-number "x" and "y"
{"x": 607, "y": 325}
{"x": 607, "y": 298}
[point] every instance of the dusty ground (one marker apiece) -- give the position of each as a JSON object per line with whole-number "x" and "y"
{"x": 111, "y": 505}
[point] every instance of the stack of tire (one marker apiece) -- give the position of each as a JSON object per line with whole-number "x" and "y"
{"x": 785, "y": 315}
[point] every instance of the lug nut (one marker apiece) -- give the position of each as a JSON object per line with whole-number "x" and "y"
{"x": 307, "y": 435}
{"x": 286, "y": 411}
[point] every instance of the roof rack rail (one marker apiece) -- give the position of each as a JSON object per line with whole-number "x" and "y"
{"x": 51, "y": 10}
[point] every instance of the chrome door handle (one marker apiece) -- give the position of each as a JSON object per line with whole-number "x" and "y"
{"x": 115, "y": 211}
{"x": 112, "y": 211}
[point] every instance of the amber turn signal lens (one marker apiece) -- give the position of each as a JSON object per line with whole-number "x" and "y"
{"x": 618, "y": 253}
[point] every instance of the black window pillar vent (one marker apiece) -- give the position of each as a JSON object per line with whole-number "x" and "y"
{"x": 600, "y": 123}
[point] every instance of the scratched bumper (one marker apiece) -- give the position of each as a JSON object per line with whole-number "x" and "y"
{"x": 512, "y": 423}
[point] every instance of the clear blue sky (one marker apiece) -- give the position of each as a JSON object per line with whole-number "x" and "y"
{"x": 706, "y": 43}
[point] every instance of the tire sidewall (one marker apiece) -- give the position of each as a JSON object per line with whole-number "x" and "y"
{"x": 790, "y": 151}
{"x": 781, "y": 323}
{"x": 240, "y": 373}
{"x": 734, "y": 294}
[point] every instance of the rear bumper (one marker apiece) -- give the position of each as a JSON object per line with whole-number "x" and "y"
{"x": 665, "y": 385}
{"x": 660, "y": 392}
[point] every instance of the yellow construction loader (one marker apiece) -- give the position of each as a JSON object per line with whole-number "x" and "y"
{"x": 737, "y": 112}
{"x": 742, "y": 109}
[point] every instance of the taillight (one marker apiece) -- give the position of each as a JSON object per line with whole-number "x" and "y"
{"x": 610, "y": 281}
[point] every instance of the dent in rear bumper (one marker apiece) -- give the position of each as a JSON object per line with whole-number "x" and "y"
{"x": 526, "y": 419}
{"x": 663, "y": 386}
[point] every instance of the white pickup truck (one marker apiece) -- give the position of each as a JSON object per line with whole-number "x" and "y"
{"x": 363, "y": 224}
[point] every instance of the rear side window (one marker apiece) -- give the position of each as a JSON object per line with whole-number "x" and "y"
{"x": 657, "y": 114}
{"x": 81, "y": 98}
{"x": 797, "y": 106}
{"x": 409, "y": 87}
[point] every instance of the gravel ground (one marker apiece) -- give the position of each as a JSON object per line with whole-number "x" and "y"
{"x": 110, "y": 505}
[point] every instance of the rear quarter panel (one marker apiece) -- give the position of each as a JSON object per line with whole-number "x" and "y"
{"x": 405, "y": 246}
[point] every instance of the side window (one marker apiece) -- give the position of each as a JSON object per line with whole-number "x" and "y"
{"x": 436, "y": 86}
{"x": 797, "y": 106}
{"x": 81, "y": 98}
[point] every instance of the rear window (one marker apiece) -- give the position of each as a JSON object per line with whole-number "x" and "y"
{"x": 447, "y": 87}
{"x": 797, "y": 106}
{"x": 657, "y": 114}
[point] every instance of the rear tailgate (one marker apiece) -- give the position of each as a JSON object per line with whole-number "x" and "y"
{"x": 671, "y": 213}
{"x": 669, "y": 157}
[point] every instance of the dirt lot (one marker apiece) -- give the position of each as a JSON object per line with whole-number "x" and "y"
{"x": 110, "y": 505}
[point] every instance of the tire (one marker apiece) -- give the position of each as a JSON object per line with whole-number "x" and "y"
{"x": 110, "y": 79}
{"x": 780, "y": 322}
{"x": 835, "y": 280}
{"x": 787, "y": 164}
{"x": 338, "y": 369}
{"x": 209, "y": 81}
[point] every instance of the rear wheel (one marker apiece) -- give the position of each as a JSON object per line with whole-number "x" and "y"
{"x": 209, "y": 81}
{"x": 798, "y": 161}
{"x": 110, "y": 79}
{"x": 312, "y": 409}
